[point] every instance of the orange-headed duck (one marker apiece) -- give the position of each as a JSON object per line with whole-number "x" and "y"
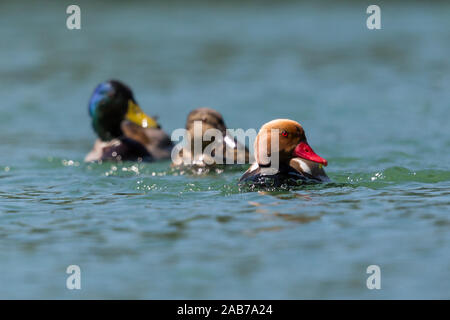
{"x": 296, "y": 161}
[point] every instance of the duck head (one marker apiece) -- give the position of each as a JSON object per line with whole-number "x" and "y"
{"x": 209, "y": 118}
{"x": 291, "y": 144}
{"x": 111, "y": 103}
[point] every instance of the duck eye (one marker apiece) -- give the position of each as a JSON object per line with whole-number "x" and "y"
{"x": 284, "y": 133}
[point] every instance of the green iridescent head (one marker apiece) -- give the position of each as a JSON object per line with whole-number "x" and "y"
{"x": 111, "y": 103}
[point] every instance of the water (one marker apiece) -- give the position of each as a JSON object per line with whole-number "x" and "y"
{"x": 375, "y": 104}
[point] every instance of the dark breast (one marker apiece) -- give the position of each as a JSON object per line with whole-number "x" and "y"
{"x": 126, "y": 150}
{"x": 266, "y": 177}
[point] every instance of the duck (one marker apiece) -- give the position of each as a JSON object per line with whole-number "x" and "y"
{"x": 198, "y": 122}
{"x": 297, "y": 162}
{"x": 125, "y": 132}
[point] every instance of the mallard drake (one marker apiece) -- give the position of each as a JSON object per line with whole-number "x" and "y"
{"x": 125, "y": 132}
{"x": 297, "y": 162}
{"x": 198, "y": 123}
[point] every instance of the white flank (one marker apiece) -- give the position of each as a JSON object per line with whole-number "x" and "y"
{"x": 229, "y": 141}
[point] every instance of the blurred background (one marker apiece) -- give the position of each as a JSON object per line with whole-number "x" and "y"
{"x": 375, "y": 103}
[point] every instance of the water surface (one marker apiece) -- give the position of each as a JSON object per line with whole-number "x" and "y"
{"x": 375, "y": 104}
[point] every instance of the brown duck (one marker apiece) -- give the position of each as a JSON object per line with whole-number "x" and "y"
{"x": 231, "y": 151}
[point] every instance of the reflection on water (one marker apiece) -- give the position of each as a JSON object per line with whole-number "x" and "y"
{"x": 374, "y": 103}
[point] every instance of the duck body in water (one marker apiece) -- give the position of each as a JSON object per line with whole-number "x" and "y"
{"x": 285, "y": 141}
{"x": 125, "y": 132}
{"x": 201, "y": 123}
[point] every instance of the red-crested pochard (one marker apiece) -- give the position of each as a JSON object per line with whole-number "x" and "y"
{"x": 297, "y": 162}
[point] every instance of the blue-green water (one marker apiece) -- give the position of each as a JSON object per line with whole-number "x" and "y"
{"x": 375, "y": 104}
